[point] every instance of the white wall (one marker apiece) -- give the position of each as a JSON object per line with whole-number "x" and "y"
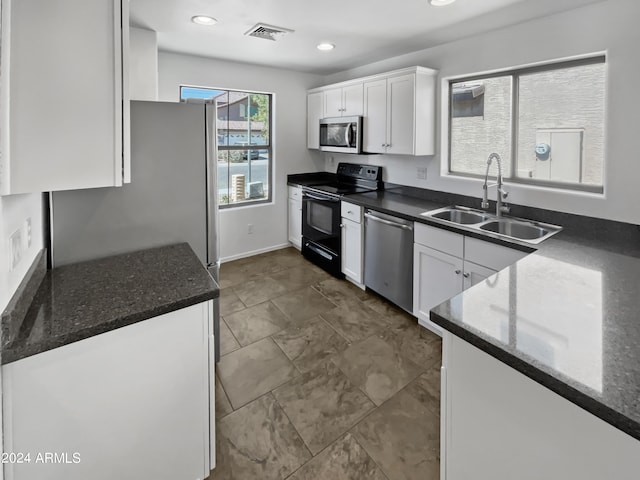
{"x": 610, "y": 26}
{"x": 143, "y": 64}
{"x": 14, "y": 210}
{"x": 290, "y": 144}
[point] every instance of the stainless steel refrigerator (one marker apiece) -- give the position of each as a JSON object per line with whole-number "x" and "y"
{"x": 172, "y": 196}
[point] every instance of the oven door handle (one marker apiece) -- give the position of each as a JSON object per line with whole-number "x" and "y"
{"x": 318, "y": 197}
{"x": 387, "y": 222}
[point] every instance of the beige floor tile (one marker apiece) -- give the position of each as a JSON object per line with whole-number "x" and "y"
{"x": 426, "y": 388}
{"x": 344, "y": 460}
{"x": 253, "y": 371}
{"x": 377, "y": 368}
{"x": 416, "y": 342}
{"x": 308, "y": 345}
{"x": 340, "y": 292}
{"x": 255, "y": 323}
{"x": 228, "y": 342}
{"x": 223, "y": 407}
{"x": 259, "y": 290}
{"x": 303, "y": 304}
{"x": 298, "y": 277}
{"x": 230, "y": 302}
{"x": 322, "y": 405}
{"x": 258, "y": 442}
{"x": 403, "y": 438}
{"x": 354, "y": 320}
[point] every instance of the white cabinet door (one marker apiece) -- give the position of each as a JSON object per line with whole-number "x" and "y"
{"x": 314, "y": 114}
{"x": 437, "y": 277}
{"x": 295, "y": 222}
{"x": 333, "y": 102}
{"x": 132, "y": 402}
{"x": 352, "y": 100}
{"x": 352, "y": 250}
{"x": 401, "y": 114}
{"x": 64, "y": 95}
{"x": 474, "y": 273}
{"x": 374, "y": 136}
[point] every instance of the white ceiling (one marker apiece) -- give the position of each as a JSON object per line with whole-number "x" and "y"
{"x": 363, "y": 31}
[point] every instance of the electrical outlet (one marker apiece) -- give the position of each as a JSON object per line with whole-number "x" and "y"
{"x": 250, "y": 228}
{"x": 15, "y": 242}
{"x": 27, "y": 229}
{"x": 422, "y": 173}
{"x": 331, "y": 160}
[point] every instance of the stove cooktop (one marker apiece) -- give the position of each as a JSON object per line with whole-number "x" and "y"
{"x": 339, "y": 190}
{"x": 351, "y": 178}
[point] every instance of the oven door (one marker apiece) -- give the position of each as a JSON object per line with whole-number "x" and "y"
{"x": 321, "y": 220}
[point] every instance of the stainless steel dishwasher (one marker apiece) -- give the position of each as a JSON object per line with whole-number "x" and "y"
{"x": 388, "y": 257}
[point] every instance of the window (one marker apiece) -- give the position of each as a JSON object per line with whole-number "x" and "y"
{"x": 547, "y": 124}
{"x": 243, "y": 127}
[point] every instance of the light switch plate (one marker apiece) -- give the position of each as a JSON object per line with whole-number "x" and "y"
{"x": 422, "y": 173}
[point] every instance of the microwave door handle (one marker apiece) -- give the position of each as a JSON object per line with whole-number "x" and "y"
{"x": 348, "y": 135}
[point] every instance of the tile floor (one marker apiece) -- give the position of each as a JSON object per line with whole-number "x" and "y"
{"x": 320, "y": 380}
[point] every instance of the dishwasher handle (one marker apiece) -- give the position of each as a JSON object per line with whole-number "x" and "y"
{"x": 388, "y": 222}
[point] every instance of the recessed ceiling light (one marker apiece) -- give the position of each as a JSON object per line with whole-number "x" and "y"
{"x": 204, "y": 20}
{"x": 325, "y": 47}
{"x": 441, "y": 3}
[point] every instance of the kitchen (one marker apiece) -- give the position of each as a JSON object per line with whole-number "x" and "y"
{"x": 594, "y": 28}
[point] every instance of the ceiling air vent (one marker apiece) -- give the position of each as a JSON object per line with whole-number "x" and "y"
{"x": 268, "y": 32}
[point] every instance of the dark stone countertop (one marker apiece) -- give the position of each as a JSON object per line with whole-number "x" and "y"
{"x": 79, "y": 301}
{"x": 566, "y": 316}
{"x": 310, "y": 179}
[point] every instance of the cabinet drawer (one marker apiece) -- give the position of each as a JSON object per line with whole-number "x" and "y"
{"x": 489, "y": 254}
{"x": 351, "y": 211}
{"x": 295, "y": 193}
{"x": 439, "y": 239}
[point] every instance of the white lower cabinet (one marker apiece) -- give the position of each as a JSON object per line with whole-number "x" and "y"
{"x": 135, "y": 402}
{"x": 352, "y": 243}
{"x": 295, "y": 217}
{"x": 446, "y": 263}
{"x": 498, "y": 424}
{"x": 437, "y": 277}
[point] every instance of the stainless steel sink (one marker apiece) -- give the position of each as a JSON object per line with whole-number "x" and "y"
{"x": 460, "y": 215}
{"x": 515, "y": 229}
{"x": 509, "y": 227}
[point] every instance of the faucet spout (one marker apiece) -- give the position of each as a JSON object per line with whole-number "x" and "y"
{"x": 500, "y": 191}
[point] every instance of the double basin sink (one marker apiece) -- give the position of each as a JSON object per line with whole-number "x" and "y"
{"x": 509, "y": 227}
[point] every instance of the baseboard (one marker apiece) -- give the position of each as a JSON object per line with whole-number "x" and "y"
{"x": 254, "y": 252}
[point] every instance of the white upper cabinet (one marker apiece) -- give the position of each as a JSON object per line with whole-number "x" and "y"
{"x": 314, "y": 114}
{"x": 343, "y": 101}
{"x": 399, "y": 114}
{"x": 398, "y": 109}
{"x": 64, "y": 95}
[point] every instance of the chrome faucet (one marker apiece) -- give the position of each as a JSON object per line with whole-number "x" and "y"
{"x": 502, "y": 194}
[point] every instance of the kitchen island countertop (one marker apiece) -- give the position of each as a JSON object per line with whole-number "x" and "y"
{"x": 566, "y": 316}
{"x": 78, "y": 301}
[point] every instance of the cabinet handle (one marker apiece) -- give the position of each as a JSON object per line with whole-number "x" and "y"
{"x": 465, "y": 275}
{"x": 349, "y": 212}
{"x": 342, "y": 225}
{"x": 458, "y": 272}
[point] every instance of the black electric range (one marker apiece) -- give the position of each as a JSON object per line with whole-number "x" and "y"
{"x": 321, "y": 214}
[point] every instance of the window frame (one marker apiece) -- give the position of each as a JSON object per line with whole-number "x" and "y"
{"x": 268, "y": 146}
{"x": 515, "y": 74}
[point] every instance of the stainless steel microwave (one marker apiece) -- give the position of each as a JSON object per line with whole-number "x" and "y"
{"x": 341, "y": 134}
